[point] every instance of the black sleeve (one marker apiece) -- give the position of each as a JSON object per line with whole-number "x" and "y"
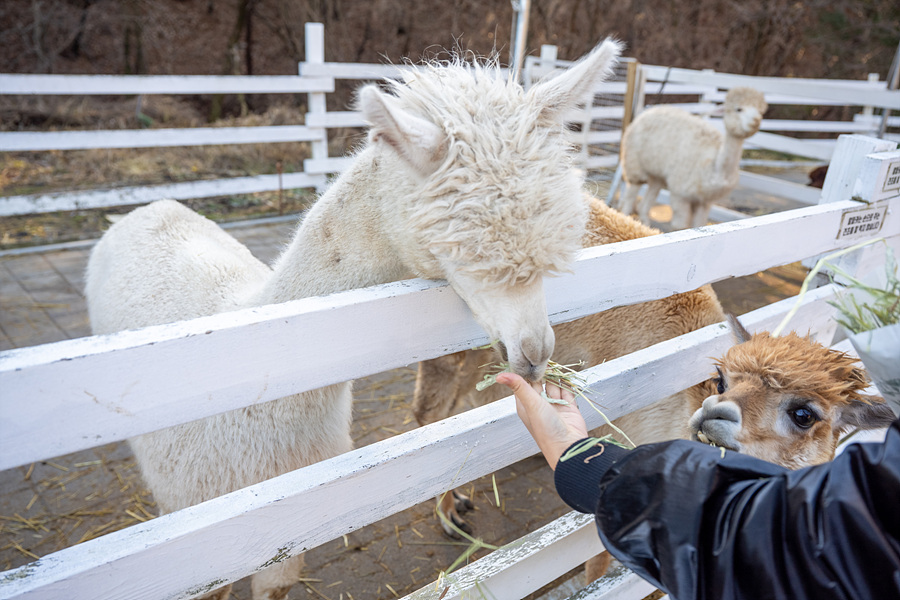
{"x": 700, "y": 524}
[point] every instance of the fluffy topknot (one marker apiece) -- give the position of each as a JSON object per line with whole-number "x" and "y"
{"x": 798, "y": 364}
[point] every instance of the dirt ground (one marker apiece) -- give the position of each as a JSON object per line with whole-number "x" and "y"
{"x": 56, "y": 503}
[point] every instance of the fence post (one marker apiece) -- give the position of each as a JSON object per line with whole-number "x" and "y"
{"x": 548, "y": 60}
{"x": 640, "y": 92}
{"x": 858, "y": 169}
{"x": 849, "y": 155}
{"x": 869, "y": 111}
{"x": 706, "y": 97}
{"x": 631, "y": 76}
{"x": 315, "y": 54}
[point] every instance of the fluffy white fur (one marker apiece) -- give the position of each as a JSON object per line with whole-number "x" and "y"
{"x": 666, "y": 147}
{"x": 466, "y": 177}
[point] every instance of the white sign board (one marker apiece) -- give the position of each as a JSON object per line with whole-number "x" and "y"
{"x": 892, "y": 179}
{"x": 861, "y": 222}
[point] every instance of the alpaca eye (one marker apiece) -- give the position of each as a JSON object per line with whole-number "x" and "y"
{"x": 720, "y": 382}
{"x": 739, "y": 109}
{"x": 803, "y": 417}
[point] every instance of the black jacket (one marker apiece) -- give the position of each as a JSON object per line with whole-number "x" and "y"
{"x": 702, "y": 525}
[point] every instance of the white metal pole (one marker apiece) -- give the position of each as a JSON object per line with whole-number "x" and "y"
{"x": 521, "y": 8}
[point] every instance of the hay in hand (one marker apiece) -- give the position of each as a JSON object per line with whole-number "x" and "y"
{"x": 562, "y": 376}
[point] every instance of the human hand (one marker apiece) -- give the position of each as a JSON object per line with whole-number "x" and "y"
{"x": 554, "y": 427}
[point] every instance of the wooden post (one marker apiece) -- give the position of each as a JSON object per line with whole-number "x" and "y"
{"x": 849, "y": 155}
{"x": 869, "y": 111}
{"x": 630, "y": 88}
{"x": 315, "y": 54}
{"x": 858, "y": 170}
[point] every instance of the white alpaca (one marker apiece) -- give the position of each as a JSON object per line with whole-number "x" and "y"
{"x": 666, "y": 147}
{"x": 465, "y": 177}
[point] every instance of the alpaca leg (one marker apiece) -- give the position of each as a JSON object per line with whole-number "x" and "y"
{"x": 273, "y": 583}
{"x": 682, "y": 213}
{"x": 440, "y": 383}
{"x": 437, "y": 388}
{"x": 649, "y": 199}
{"x": 701, "y": 214}
{"x": 628, "y": 198}
{"x": 596, "y": 567}
{"x": 451, "y": 504}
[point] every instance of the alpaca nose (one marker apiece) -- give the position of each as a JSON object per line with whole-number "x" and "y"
{"x": 717, "y": 423}
{"x": 536, "y": 351}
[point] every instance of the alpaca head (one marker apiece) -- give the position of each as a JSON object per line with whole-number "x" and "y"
{"x": 487, "y": 197}
{"x": 743, "y": 111}
{"x": 786, "y": 400}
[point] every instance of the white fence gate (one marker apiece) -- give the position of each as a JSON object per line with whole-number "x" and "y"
{"x": 184, "y": 371}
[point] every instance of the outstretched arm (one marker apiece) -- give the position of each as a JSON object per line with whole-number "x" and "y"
{"x": 701, "y": 523}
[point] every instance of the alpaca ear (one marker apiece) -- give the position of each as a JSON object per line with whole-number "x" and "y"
{"x": 565, "y": 91}
{"x": 740, "y": 334}
{"x": 860, "y": 415}
{"x": 421, "y": 143}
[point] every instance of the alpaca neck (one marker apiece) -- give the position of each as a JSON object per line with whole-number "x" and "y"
{"x": 729, "y": 156}
{"x": 340, "y": 244}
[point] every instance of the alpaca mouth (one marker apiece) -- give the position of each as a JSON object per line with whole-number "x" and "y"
{"x": 713, "y": 440}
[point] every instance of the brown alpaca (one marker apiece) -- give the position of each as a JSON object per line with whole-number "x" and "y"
{"x": 444, "y": 381}
{"x": 786, "y": 400}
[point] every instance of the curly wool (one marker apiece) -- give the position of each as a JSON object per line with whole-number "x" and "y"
{"x": 798, "y": 364}
{"x": 506, "y": 204}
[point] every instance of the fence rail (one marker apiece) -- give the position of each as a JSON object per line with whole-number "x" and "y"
{"x": 153, "y": 138}
{"x": 599, "y": 146}
{"x": 96, "y": 85}
{"x": 70, "y": 379}
{"x": 299, "y": 510}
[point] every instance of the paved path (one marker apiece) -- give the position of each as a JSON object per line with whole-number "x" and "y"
{"x": 48, "y": 506}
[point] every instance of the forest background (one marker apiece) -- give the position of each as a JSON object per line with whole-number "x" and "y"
{"x": 784, "y": 38}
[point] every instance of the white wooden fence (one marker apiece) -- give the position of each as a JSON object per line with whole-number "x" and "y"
{"x": 188, "y": 370}
{"x": 598, "y": 139}
{"x": 601, "y": 124}
{"x": 658, "y": 84}
{"x": 169, "y": 384}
